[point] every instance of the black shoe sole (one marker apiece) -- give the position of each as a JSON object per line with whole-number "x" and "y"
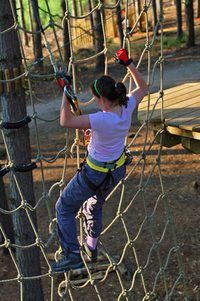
{"x": 69, "y": 267}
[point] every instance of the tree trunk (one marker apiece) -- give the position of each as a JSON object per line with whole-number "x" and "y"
{"x": 67, "y": 52}
{"x": 119, "y": 23}
{"x": 74, "y": 8}
{"x": 91, "y": 22}
{"x": 189, "y": 12}
{"x": 198, "y": 9}
{"x": 14, "y": 109}
{"x": 80, "y": 7}
{"x": 99, "y": 42}
{"x": 23, "y": 23}
{"x": 6, "y": 219}
{"x": 137, "y": 4}
{"x": 179, "y": 19}
{"x": 37, "y": 43}
{"x": 30, "y": 18}
{"x": 154, "y": 13}
{"x": 142, "y": 22}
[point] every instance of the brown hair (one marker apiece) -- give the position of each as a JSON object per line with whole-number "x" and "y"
{"x": 107, "y": 87}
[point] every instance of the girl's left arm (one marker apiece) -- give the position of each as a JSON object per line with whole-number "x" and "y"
{"x": 69, "y": 120}
{"x": 141, "y": 87}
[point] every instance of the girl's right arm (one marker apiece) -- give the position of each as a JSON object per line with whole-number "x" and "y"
{"x": 141, "y": 87}
{"x": 69, "y": 120}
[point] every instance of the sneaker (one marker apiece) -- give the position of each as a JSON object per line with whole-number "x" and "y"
{"x": 91, "y": 254}
{"x": 67, "y": 262}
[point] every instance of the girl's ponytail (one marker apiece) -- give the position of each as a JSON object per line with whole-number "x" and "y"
{"x": 107, "y": 87}
{"x": 121, "y": 91}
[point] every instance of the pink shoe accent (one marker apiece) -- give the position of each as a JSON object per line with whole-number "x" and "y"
{"x": 91, "y": 242}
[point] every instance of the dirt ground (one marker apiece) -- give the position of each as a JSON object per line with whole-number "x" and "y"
{"x": 181, "y": 182}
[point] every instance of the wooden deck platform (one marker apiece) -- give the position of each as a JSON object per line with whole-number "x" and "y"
{"x": 181, "y": 113}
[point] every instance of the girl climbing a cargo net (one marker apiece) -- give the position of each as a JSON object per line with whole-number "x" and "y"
{"x": 104, "y": 166}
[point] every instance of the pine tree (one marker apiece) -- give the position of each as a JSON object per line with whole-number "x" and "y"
{"x": 14, "y": 109}
{"x": 189, "y": 12}
{"x": 99, "y": 41}
{"x": 37, "y": 43}
{"x": 67, "y": 52}
{"x": 179, "y": 18}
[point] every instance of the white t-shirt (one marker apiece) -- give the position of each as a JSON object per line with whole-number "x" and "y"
{"x": 109, "y": 131}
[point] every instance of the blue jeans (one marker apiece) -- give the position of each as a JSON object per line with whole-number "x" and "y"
{"x": 78, "y": 193}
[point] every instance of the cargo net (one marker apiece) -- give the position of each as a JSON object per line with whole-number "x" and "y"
{"x": 139, "y": 257}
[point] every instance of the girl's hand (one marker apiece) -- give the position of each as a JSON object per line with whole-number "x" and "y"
{"x": 122, "y": 58}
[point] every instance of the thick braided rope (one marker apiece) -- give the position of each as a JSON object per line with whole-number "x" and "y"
{"x": 68, "y": 285}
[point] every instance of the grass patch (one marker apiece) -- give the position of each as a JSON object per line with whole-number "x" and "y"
{"x": 171, "y": 42}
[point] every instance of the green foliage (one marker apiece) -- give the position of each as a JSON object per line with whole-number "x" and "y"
{"x": 172, "y": 41}
{"x": 55, "y": 9}
{"x": 187, "y": 2}
{"x": 54, "y": 6}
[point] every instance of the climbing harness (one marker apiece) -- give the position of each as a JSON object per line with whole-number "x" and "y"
{"x": 105, "y": 167}
{"x": 125, "y": 158}
{"x": 128, "y": 156}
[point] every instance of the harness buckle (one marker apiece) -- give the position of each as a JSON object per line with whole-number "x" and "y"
{"x": 128, "y": 157}
{"x": 80, "y": 169}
